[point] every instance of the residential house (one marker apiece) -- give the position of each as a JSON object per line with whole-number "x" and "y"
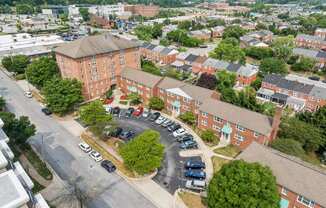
{"x": 217, "y": 32}
{"x": 310, "y": 41}
{"x": 300, "y": 185}
{"x": 158, "y": 54}
{"x": 320, "y": 32}
{"x": 101, "y": 21}
{"x": 96, "y": 61}
{"x": 247, "y": 41}
{"x": 203, "y": 34}
{"x": 318, "y": 55}
{"x": 299, "y": 93}
{"x": 236, "y": 125}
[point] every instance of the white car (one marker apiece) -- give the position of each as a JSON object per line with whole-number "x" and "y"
{"x": 179, "y": 132}
{"x": 85, "y": 147}
{"x": 160, "y": 120}
{"x": 28, "y": 94}
{"x": 145, "y": 113}
{"x": 195, "y": 185}
{"x": 166, "y": 121}
{"x": 96, "y": 156}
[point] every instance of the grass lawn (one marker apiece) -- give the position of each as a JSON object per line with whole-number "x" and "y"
{"x": 106, "y": 155}
{"x": 229, "y": 151}
{"x": 37, "y": 163}
{"x": 192, "y": 200}
{"x": 218, "y": 163}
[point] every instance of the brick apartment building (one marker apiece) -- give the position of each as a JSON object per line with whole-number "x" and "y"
{"x": 233, "y": 124}
{"x": 300, "y": 184}
{"x": 158, "y": 54}
{"x": 297, "y": 92}
{"x": 96, "y": 61}
{"x": 143, "y": 10}
{"x": 310, "y": 41}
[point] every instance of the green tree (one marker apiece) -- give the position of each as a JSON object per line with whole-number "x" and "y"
{"x": 16, "y": 63}
{"x": 19, "y": 130}
{"x": 157, "y": 30}
{"x": 61, "y": 95}
{"x": 144, "y": 153}
{"x": 225, "y": 79}
{"x": 283, "y": 47}
{"x": 181, "y": 37}
{"x": 273, "y": 65}
{"x": 94, "y": 115}
{"x": 5, "y": 9}
{"x": 208, "y": 81}
{"x": 209, "y": 135}
{"x": 289, "y": 146}
{"x": 259, "y": 52}
{"x": 134, "y": 98}
{"x": 84, "y": 13}
{"x": 241, "y": 184}
{"x": 150, "y": 67}
{"x": 2, "y": 103}
{"x": 188, "y": 117}
{"x": 41, "y": 70}
{"x": 24, "y": 9}
{"x": 304, "y": 64}
{"x": 233, "y": 31}
{"x": 156, "y": 103}
{"x": 229, "y": 50}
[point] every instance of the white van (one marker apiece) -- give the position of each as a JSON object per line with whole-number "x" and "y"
{"x": 196, "y": 185}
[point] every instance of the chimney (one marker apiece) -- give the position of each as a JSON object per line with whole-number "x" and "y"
{"x": 276, "y": 122}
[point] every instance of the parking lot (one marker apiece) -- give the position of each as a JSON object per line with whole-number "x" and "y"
{"x": 171, "y": 174}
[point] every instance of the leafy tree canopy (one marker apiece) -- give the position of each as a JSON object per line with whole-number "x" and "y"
{"x": 208, "y": 135}
{"x": 229, "y": 50}
{"x": 188, "y": 117}
{"x": 208, "y": 81}
{"x": 16, "y": 63}
{"x": 273, "y": 65}
{"x": 84, "y": 13}
{"x": 156, "y": 103}
{"x": 233, "y": 31}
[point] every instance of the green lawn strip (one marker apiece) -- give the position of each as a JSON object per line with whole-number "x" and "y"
{"x": 218, "y": 163}
{"x": 229, "y": 151}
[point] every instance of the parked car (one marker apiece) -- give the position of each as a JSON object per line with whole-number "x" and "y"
{"x": 108, "y": 108}
{"x": 198, "y": 174}
{"x": 146, "y": 113}
{"x": 116, "y": 111}
{"x": 167, "y": 123}
{"x": 126, "y": 135}
{"x": 28, "y": 94}
{"x": 108, "y": 165}
{"x": 96, "y": 156}
{"x": 85, "y": 147}
{"x": 196, "y": 185}
{"x": 174, "y": 127}
{"x": 155, "y": 116}
{"x": 191, "y": 144}
{"x": 185, "y": 137}
{"x": 315, "y": 78}
{"x": 116, "y": 132}
{"x": 138, "y": 111}
{"x": 194, "y": 164}
{"x": 179, "y": 132}
{"x": 129, "y": 112}
{"x": 46, "y": 111}
{"x": 160, "y": 120}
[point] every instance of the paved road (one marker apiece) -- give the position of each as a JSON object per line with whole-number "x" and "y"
{"x": 59, "y": 148}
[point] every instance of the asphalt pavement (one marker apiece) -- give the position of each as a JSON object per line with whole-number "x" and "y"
{"x": 60, "y": 149}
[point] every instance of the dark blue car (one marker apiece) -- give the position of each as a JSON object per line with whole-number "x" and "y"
{"x": 194, "y": 164}
{"x": 197, "y": 174}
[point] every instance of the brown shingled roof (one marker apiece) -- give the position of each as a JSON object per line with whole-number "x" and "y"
{"x": 290, "y": 172}
{"x": 93, "y": 45}
{"x": 141, "y": 77}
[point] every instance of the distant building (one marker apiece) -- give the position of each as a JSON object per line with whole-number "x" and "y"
{"x": 321, "y": 32}
{"x": 217, "y": 32}
{"x": 96, "y": 61}
{"x": 318, "y": 55}
{"x": 107, "y": 10}
{"x": 101, "y": 21}
{"x": 203, "y": 34}
{"x": 15, "y": 184}
{"x": 297, "y": 92}
{"x": 143, "y": 10}
{"x": 310, "y": 41}
{"x": 300, "y": 185}
{"x": 158, "y": 54}
{"x": 259, "y": 38}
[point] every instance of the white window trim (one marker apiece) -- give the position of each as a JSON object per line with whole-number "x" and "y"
{"x": 311, "y": 203}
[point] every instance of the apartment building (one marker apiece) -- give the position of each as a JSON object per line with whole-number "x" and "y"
{"x": 297, "y": 92}
{"x": 15, "y": 184}
{"x": 96, "y": 61}
{"x": 158, "y": 54}
{"x": 217, "y": 32}
{"x": 300, "y": 184}
{"x": 318, "y": 55}
{"x": 106, "y": 10}
{"x": 236, "y": 125}
{"x": 310, "y": 41}
{"x": 143, "y": 10}
{"x": 203, "y": 34}
{"x": 320, "y": 32}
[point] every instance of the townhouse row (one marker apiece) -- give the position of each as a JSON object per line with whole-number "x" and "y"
{"x": 234, "y": 125}
{"x": 299, "y": 93}
{"x": 310, "y": 41}
{"x": 300, "y": 184}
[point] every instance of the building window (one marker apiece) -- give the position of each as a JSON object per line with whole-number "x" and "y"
{"x": 217, "y": 119}
{"x": 204, "y": 114}
{"x": 305, "y": 201}
{"x": 239, "y": 137}
{"x": 240, "y": 128}
{"x": 122, "y": 57}
{"x": 256, "y": 134}
{"x": 284, "y": 191}
{"x": 216, "y": 128}
{"x": 204, "y": 122}
{"x": 186, "y": 100}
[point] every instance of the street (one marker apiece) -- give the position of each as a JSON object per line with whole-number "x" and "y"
{"x": 60, "y": 149}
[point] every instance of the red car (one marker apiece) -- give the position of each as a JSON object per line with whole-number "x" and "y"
{"x": 108, "y": 101}
{"x": 138, "y": 111}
